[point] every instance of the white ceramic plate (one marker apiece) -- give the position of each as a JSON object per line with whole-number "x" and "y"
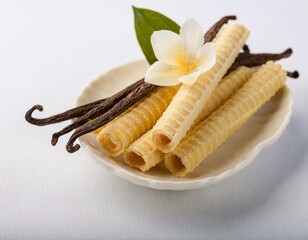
{"x": 237, "y": 152}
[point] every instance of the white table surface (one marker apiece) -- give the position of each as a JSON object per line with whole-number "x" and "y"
{"x": 49, "y": 50}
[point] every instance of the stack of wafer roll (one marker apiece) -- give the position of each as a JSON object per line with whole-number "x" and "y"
{"x": 183, "y": 124}
{"x": 144, "y": 155}
{"x": 189, "y": 100}
{"x": 209, "y": 134}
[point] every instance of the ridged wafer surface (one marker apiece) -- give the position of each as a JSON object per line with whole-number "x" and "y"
{"x": 189, "y": 100}
{"x": 223, "y": 92}
{"x": 117, "y": 135}
{"x": 212, "y": 132}
{"x": 144, "y": 155}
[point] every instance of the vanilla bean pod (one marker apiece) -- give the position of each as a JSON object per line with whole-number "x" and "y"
{"x": 253, "y": 60}
{"x": 294, "y": 74}
{"x": 132, "y": 98}
{"x": 72, "y": 113}
{"x": 212, "y": 32}
{"x": 246, "y": 49}
{"x": 98, "y": 111}
{"x": 80, "y": 110}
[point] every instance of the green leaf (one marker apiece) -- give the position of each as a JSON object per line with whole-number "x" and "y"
{"x": 146, "y": 22}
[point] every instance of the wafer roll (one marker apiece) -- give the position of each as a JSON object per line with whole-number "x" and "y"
{"x": 117, "y": 135}
{"x": 144, "y": 155}
{"x": 189, "y": 100}
{"x": 209, "y": 134}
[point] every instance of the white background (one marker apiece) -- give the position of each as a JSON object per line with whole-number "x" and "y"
{"x": 49, "y": 50}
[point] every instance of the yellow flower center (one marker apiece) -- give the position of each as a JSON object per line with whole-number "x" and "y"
{"x": 185, "y": 64}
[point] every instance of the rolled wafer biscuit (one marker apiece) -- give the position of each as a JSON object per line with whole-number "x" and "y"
{"x": 209, "y": 134}
{"x": 144, "y": 155}
{"x": 117, "y": 135}
{"x": 189, "y": 100}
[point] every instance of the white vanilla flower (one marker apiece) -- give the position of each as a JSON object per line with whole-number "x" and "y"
{"x": 181, "y": 57}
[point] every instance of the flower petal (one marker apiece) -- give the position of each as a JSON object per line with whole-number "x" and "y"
{"x": 189, "y": 79}
{"x": 207, "y": 56}
{"x": 165, "y": 45}
{"x": 162, "y": 74}
{"x": 192, "y": 35}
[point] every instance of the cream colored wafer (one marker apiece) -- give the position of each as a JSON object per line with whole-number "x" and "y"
{"x": 209, "y": 134}
{"x": 117, "y": 135}
{"x": 189, "y": 100}
{"x": 144, "y": 155}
